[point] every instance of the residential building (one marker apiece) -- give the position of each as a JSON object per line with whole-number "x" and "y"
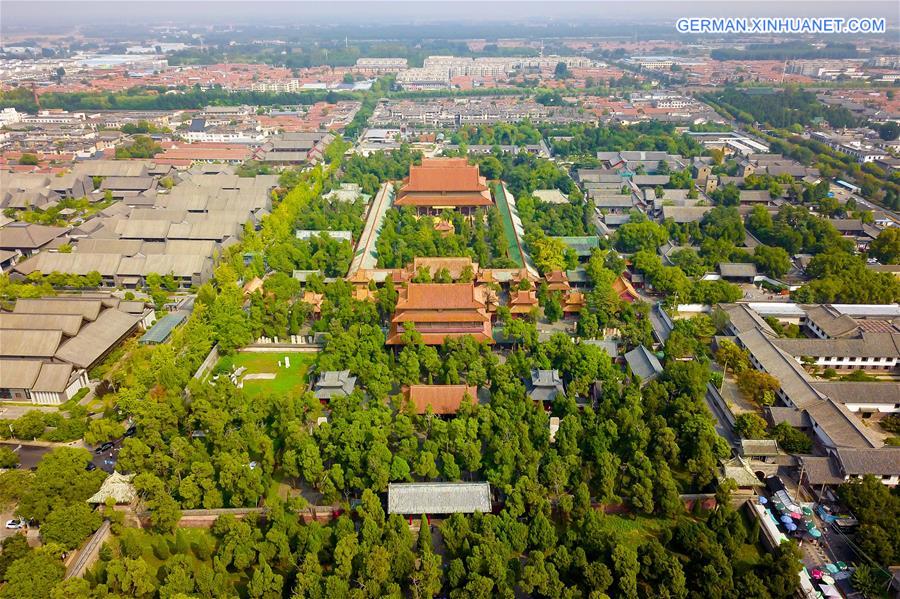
{"x": 295, "y": 148}
{"x": 27, "y": 239}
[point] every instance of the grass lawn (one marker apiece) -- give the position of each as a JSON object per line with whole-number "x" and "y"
{"x": 634, "y": 530}
{"x": 279, "y": 489}
{"x": 287, "y": 380}
{"x": 746, "y": 557}
{"x": 150, "y": 545}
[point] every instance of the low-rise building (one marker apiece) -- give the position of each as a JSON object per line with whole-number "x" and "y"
{"x": 27, "y": 239}
{"x": 334, "y": 383}
{"x": 417, "y": 499}
{"x": 643, "y": 363}
{"x": 48, "y": 345}
{"x": 544, "y": 386}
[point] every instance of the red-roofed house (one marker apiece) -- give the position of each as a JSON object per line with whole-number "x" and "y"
{"x": 233, "y": 154}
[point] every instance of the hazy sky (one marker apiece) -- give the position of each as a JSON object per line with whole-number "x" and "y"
{"x": 15, "y": 14}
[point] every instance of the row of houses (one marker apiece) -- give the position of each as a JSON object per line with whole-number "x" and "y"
{"x": 49, "y": 345}
{"x": 454, "y": 113}
{"x": 180, "y": 233}
{"x": 836, "y": 414}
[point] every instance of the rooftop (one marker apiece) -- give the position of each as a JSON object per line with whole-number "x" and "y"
{"x": 162, "y": 328}
{"x": 438, "y": 498}
{"x": 439, "y": 296}
{"x": 440, "y": 399}
{"x": 334, "y": 383}
{"x": 643, "y": 363}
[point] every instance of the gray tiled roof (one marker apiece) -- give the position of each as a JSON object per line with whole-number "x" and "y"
{"x": 856, "y": 462}
{"x": 833, "y": 418}
{"x": 881, "y": 392}
{"x": 334, "y": 383}
{"x": 868, "y": 345}
{"x": 545, "y": 385}
{"x": 759, "y": 447}
{"x": 438, "y": 498}
{"x": 743, "y": 318}
{"x": 737, "y": 269}
{"x": 643, "y": 363}
{"x": 831, "y": 322}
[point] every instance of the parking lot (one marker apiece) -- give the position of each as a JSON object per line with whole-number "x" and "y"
{"x": 30, "y": 455}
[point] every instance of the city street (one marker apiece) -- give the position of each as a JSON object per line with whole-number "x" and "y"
{"x": 30, "y": 455}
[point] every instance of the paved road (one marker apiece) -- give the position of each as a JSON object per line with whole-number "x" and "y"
{"x": 88, "y": 553}
{"x": 11, "y": 412}
{"x": 365, "y": 256}
{"x": 30, "y": 455}
{"x": 723, "y": 426}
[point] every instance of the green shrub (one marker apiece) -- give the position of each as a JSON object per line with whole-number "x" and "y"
{"x": 182, "y": 543}
{"x": 8, "y": 458}
{"x": 130, "y": 544}
{"x": 203, "y": 548}
{"x": 161, "y": 548}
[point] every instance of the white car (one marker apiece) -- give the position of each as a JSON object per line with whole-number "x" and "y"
{"x": 15, "y": 524}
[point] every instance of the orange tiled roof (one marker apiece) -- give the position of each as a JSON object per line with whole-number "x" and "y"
{"x": 556, "y": 276}
{"x": 455, "y": 266}
{"x": 439, "y": 296}
{"x": 441, "y": 316}
{"x": 314, "y": 299}
{"x": 363, "y": 294}
{"x": 523, "y": 298}
{"x": 450, "y": 200}
{"x": 574, "y": 302}
{"x": 448, "y": 310}
{"x": 442, "y": 399}
{"x": 444, "y": 175}
{"x": 624, "y": 289}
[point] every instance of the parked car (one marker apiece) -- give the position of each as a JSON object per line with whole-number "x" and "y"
{"x": 105, "y": 447}
{"x": 15, "y": 524}
{"x": 132, "y": 431}
{"x": 90, "y": 466}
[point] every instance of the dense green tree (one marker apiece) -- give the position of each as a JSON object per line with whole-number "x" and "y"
{"x": 886, "y": 247}
{"x": 13, "y": 548}
{"x": 637, "y": 236}
{"x": 773, "y": 261}
{"x": 33, "y": 575}
{"x": 750, "y": 425}
{"x": 60, "y": 480}
{"x": 70, "y": 525}
{"x": 878, "y": 511}
{"x": 791, "y": 439}
{"x": 889, "y": 131}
